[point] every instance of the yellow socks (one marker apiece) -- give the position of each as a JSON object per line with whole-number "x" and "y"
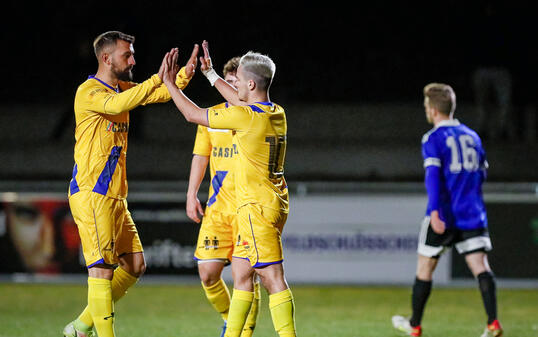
{"x": 121, "y": 281}
{"x": 101, "y": 306}
{"x": 239, "y": 309}
{"x": 283, "y": 313}
{"x": 250, "y": 323}
{"x": 219, "y": 297}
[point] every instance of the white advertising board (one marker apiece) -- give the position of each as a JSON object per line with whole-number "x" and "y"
{"x": 354, "y": 239}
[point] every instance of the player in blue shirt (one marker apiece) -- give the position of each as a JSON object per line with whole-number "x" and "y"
{"x": 455, "y": 164}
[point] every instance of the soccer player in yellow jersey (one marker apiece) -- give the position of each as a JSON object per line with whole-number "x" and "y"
{"x": 98, "y": 188}
{"x": 259, "y": 134}
{"x": 218, "y": 233}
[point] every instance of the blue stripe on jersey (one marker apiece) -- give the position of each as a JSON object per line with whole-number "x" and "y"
{"x": 73, "y": 185}
{"x": 256, "y": 108}
{"x": 462, "y": 159}
{"x": 265, "y": 103}
{"x": 216, "y": 182}
{"x": 103, "y": 83}
{"x": 103, "y": 182}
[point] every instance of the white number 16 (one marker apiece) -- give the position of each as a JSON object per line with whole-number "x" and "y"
{"x": 468, "y": 153}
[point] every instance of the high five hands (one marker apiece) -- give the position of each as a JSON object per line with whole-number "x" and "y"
{"x": 167, "y": 65}
{"x": 170, "y": 67}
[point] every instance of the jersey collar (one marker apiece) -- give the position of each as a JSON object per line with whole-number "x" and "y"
{"x": 103, "y": 83}
{"x": 448, "y": 122}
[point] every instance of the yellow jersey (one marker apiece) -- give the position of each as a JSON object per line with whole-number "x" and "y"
{"x": 102, "y": 125}
{"x": 259, "y": 135}
{"x": 218, "y": 146}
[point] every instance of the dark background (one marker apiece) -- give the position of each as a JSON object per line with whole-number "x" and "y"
{"x": 335, "y": 55}
{"x": 334, "y": 50}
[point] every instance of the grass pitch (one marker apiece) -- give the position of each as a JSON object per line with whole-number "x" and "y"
{"x": 329, "y": 311}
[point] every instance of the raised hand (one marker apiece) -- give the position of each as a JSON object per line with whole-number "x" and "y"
{"x": 205, "y": 61}
{"x": 190, "y": 67}
{"x": 162, "y": 68}
{"x": 171, "y": 68}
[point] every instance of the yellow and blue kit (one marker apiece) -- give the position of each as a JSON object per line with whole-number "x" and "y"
{"x": 218, "y": 233}
{"x": 98, "y": 188}
{"x": 259, "y": 135}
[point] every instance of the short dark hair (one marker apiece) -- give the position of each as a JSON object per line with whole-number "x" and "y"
{"x": 442, "y": 97}
{"x": 108, "y": 39}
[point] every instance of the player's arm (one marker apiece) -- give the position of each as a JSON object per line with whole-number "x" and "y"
{"x": 102, "y": 101}
{"x": 228, "y": 92}
{"x": 185, "y": 74}
{"x": 198, "y": 168}
{"x": 484, "y": 165}
{"x": 432, "y": 181}
{"x": 161, "y": 94}
{"x": 188, "y": 109}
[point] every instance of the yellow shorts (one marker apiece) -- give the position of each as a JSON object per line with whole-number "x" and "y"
{"x": 105, "y": 227}
{"x": 260, "y": 231}
{"x": 217, "y": 237}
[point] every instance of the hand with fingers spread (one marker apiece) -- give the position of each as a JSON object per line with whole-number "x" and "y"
{"x": 206, "y": 66}
{"x": 205, "y": 61}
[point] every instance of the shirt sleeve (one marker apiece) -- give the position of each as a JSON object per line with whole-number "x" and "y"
{"x": 202, "y": 143}
{"x": 484, "y": 165}
{"x": 161, "y": 93}
{"x": 432, "y": 181}
{"x": 102, "y": 101}
{"x": 232, "y": 118}
{"x": 430, "y": 152}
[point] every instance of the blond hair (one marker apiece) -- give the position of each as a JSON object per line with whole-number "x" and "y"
{"x": 441, "y": 97}
{"x": 261, "y": 66}
{"x": 231, "y": 66}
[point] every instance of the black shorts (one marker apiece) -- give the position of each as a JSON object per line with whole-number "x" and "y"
{"x": 431, "y": 244}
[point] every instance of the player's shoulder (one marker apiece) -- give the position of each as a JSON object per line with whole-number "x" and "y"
{"x": 89, "y": 88}
{"x": 437, "y": 130}
{"x": 426, "y": 136}
{"x": 265, "y": 107}
{"x": 222, "y": 105}
{"x": 464, "y": 128}
{"x": 85, "y": 92}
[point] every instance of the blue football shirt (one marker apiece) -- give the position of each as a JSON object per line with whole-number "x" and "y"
{"x": 457, "y": 152}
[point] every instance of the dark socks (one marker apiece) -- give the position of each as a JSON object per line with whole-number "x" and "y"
{"x": 486, "y": 283}
{"x": 421, "y": 292}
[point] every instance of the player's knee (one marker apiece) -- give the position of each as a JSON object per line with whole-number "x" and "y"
{"x": 208, "y": 278}
{"x": 101, "y": 271}
{"x": 273, "y": 281}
